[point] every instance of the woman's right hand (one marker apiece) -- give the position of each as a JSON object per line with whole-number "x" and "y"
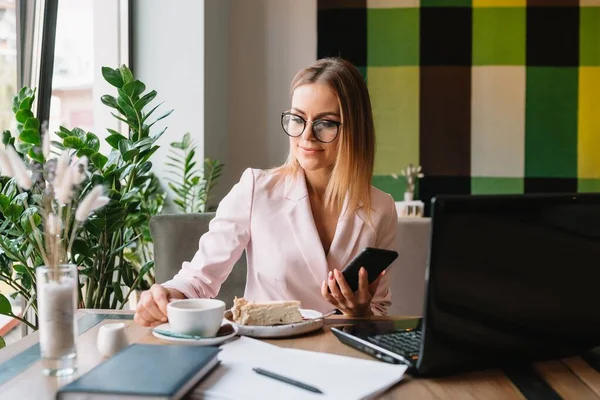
{"x": 151, "y": 309}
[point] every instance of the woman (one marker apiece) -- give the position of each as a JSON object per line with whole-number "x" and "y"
{"x": 301, "y": 223}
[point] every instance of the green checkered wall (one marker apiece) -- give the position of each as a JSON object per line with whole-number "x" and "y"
{"x": 489, "y": 96}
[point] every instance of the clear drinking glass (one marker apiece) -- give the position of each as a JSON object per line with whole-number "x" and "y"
{"x": 57, "y": 304}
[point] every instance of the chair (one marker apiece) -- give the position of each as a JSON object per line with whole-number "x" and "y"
{"x": 407, "y": 275}
{"x": 176, "y": 238}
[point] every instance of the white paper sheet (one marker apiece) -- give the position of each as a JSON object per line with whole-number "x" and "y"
{"x": 338, "y": 377}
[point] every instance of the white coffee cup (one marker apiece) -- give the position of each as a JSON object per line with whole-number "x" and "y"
{"x": 201, "y": 317}
{"x": 111, "y": 339}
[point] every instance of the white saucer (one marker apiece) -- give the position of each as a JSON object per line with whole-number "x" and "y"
{"x": 280, "y": 331}
{"x": 199, "y": 342}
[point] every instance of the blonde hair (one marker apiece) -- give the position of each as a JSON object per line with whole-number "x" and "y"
{"x": 353, "y": 169}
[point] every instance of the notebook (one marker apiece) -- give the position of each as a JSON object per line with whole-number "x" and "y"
{"x": 143, "y": 371}
{"x": 338, "y": 377}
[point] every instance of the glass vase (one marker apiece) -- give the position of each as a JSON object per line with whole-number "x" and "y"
{"x": 57, "y": 304}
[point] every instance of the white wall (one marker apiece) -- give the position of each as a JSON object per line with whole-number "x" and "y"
{"x": 269, "y": 41}
{"x": 168, "y": 57}
{"x": 227, "y": 79}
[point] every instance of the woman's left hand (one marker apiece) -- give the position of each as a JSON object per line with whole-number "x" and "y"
{"x": 355, "y": 304}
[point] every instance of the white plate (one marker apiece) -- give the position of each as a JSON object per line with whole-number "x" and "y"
{"x": 200, "y": 342}
{"x": 280, "y": 331}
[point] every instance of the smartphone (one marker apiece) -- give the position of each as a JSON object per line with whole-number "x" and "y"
{"x": 374, "y": 260}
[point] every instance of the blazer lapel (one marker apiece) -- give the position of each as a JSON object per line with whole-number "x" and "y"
{"x": 347, "y": 233}
{"x": 305, "y": 233}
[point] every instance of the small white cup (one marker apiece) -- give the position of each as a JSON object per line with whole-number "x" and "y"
{"x": 196, "y": 316}
{"x": 111, "y": 339}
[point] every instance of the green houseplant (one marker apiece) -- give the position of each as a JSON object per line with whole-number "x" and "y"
{"x": 191, "y": 185}
{"x": 112, "y": 248}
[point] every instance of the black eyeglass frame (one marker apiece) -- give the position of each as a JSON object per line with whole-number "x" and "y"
{"x": 336, "y": 123}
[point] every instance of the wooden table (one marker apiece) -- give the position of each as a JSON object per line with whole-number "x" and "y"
{"x": 571, "y": 378}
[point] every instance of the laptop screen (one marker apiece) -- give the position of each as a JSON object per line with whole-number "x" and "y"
{"x": 512, "y": 277}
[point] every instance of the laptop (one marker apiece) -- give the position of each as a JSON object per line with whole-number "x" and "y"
{"x": 510, "y": 279}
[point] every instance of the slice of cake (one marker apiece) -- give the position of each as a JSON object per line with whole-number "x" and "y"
{"x": 265, "y": 313}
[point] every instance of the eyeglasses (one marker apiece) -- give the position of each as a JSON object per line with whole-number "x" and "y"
{"x": 323, "y": 129}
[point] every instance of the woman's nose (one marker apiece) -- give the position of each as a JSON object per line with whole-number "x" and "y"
{"x": 308, "y": 133}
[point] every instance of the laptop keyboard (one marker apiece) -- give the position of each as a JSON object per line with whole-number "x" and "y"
{"x": 406, "y": 342}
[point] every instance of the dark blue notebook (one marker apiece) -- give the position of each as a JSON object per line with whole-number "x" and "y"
{"x": 143, "y": 371}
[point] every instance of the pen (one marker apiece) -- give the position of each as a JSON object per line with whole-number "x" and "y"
{"x": 287, "y": 380}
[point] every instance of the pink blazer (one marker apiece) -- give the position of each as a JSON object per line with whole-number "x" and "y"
{"x": 270, "y": 216}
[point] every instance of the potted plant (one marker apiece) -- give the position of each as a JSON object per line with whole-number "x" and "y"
{"x": 110, "y": 249}
{"x": 411, "y": 173}
{"x": 191, "y": 185}
{"x": 410, "y": 207}
{"x": 47, "y": 202}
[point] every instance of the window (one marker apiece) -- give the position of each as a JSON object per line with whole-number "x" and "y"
{"x": 90, "y": 34}
{"x": 8, "y": 62}
{"x": 73, "y": 75}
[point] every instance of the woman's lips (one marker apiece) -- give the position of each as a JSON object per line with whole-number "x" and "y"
{"x": 310, "y": 150}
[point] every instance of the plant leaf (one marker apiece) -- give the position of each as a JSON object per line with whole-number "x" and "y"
{"x": 9, "y": 249}
{"x": 35, "y": 153}
{"x": 30, "y": 136}
{"x": 112, "y": 131}
{"x": 92, "y": 141}
{"x": 159, "y": 134}
{"x": 187, "y": 139}
{"x": 58, "y": 145}
{"x": 148, "y": 154}
{"x": 126, "y": 107}
{"x": 73, "y": 142}
{"x": 4, "y": 202}
{"x": 131, "y": 194}
{"x": 23, "y": 115}
{"x": 113, "y": 158}
{"x": 99, "y": 160}
{"x": 20, "y": 198}
{"x": 131, "y": 124}
{"x": 146, "y": 268}
{"x": 147, "y": 98}
{"x": 13, "y": 212}
{"x": 151, "y": 111}
{"x": 112, "y": 76}
{"x": 26, "y": 223}
{"x": 114, "y": 139}
{"x": 165, "y": 115}
{"x": 126, "y": 171}
{"x": 5, "y": 307}
{"x": 145, "y": 168}
{"x": 62, "y": 129}
{"x": 110, "y": 101}
{"x": 26, "y": 103}
{"x": 127, "y": 152}
{"x": 78, "y": 132}
{"x": 126, "y": 73}
{"x": 80, "y": 246}
{"x": 134, "y": 88}
{"x": 125, "y": 146}
{"x": 2, "y": 343}
{"x": 86, "y": 151}
{"x": 180, "y": 203}
{"x": 63, "y": 135}
{"x": 22, "y": 147}
{"x": 117, "y": 291}
{"x": 32, "y": 123}
{"x": 6, "y": 137}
